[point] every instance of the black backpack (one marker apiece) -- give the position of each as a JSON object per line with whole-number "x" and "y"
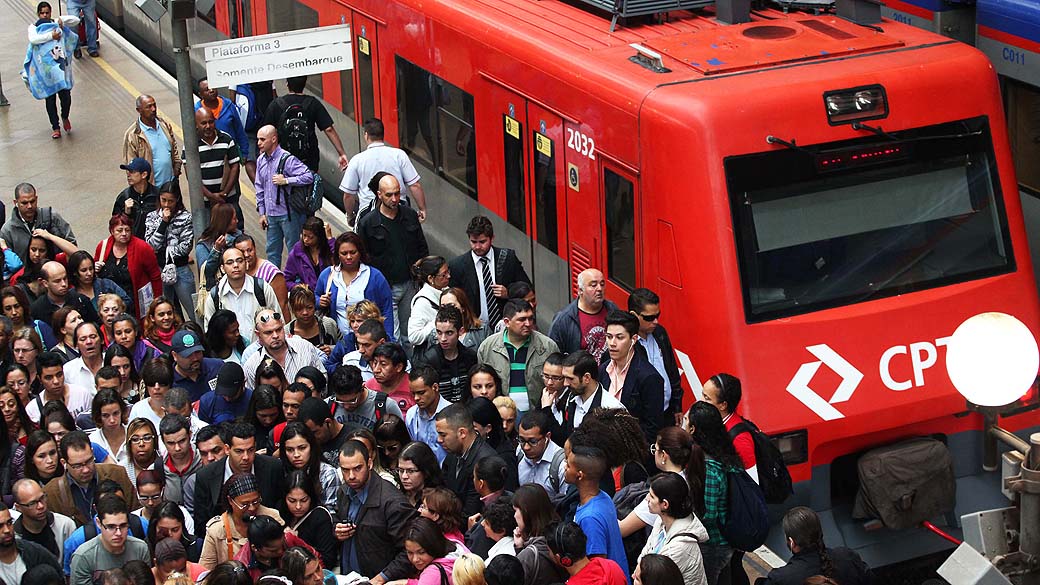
{"x": 294, "y": 131}
{"x": 773, "y": 477}
{"x": 625, "y": 500}
{"x": 747, "y": 518}
{"x": 258, "y": 290}
{"x": 305, "y": 199}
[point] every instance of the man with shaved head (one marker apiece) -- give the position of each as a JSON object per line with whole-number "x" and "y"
{"x": 276, "y": 172}
{"x": 583, "y": 323}
{"x": 219, "y": 155}
{"x": 394, "y": 239}
{"x": 55, "y": 281}
{"x": 151, "y": 137}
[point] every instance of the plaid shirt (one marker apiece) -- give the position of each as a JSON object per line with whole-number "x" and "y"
{"x": 715, "y": 502}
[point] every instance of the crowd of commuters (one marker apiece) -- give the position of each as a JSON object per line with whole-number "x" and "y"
{"x": 177, "y": 409}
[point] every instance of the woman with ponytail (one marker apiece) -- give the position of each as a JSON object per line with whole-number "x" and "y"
{"x": 677, "y": 532}
{"x": 675, "y": 452}
{"x": 810, "y": 556}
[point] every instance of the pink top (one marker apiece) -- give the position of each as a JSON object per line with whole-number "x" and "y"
{"x": 431, "y": 575}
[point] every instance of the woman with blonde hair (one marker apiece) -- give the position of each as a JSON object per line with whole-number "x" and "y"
{"x": 468, "y": 570}
{"x": 110, "y": 307}
{"x": 356, "y": 315}
{"x": 321, "y": 331}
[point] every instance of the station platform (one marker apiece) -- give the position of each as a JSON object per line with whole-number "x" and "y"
{"x": 79, "y": 175}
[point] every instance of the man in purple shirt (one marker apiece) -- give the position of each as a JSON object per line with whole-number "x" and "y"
{"x": 272, "y": 198}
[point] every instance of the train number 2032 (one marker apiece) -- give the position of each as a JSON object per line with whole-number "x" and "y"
{"x": 583, "y": 144}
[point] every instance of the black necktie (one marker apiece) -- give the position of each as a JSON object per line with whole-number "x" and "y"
{"x": 494, "y": 314}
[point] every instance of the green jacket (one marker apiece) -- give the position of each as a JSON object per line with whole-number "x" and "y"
{"x": 493, "y": 353}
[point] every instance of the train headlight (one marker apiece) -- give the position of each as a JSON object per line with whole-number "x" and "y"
{"x": 845, "y": 106}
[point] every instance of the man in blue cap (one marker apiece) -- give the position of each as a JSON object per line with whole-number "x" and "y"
{"x": 191, "y": 371}
{"x": 229, "y": 399}
{"x": 140, "y": 197}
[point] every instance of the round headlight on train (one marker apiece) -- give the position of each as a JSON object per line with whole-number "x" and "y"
{"x": 992, "y": 359}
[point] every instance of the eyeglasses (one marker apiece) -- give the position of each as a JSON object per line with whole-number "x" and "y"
{"x": 250, "y": 504}
{"x": 274, "y": 316}
{"x": 137, "y": 440}
{"x": 530, "y": 442}
{"x": 34, "y": 503}
{"x": 231, "y": 261}
{"x": 352, "y": 402}
{"x": 116, "y": 527}
{"x": 84, "y": 465}
{"x": 154, "y": 498}
{"x": 650, "y": 318}
{"x": 654, "y": 449}
{"x": 549, "y": 378}
{"x": 407, "y": 470}
{"x": 24, "y": 350}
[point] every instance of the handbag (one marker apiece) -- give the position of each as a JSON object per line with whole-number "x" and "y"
{"x": 169, "y": 270}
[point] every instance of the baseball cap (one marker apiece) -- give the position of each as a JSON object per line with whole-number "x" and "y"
{"x": 137, "y": 165}
{"x": 186, "y": 343}
{"x": 230, "y": 379}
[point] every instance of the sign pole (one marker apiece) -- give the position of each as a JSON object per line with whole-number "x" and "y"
{"x": 181, "y": 10}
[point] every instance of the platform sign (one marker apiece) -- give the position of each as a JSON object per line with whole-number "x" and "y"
{"x": 278, "y": 55}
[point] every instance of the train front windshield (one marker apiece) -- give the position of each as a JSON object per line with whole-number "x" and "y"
{"x": 847, "y": 222}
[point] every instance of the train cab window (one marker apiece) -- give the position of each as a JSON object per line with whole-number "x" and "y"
{"x": 516, "y": 206}
{"x": 1023, "y": 112}
{"x": 852, "y": 221}
{"x": 619, "y": 200}
{"x": 545, "y": 191}
{"x": 435, "y": 119}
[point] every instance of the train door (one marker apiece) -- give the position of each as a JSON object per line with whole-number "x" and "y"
{"x": 546, "y": 201}
{"x": 620, "y": 188}
{"x": 366, "y": 72}
{"x": 532, "y": 183}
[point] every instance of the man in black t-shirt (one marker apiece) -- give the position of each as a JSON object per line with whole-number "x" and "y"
{"x": 313, "y": 113}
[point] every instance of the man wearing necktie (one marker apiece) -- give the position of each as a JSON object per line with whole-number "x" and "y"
{"x": 486, "y": 271}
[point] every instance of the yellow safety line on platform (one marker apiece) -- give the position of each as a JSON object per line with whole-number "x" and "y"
{"x": 247, "y": 190}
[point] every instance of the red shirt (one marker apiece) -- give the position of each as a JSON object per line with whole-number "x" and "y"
{"x": 599, "y": 571}
{"x": 402, "y": 395}
{"x": 593, "y": 332}
{"x": 744, "y": 444}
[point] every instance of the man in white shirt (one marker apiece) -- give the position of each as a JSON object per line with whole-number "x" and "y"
{"x": 52, "y": 378}
{"x": 421, "y": 417}
{"x": 370, "y": 335}
{"x": 378, "y": 156}
{"x": 81, "y": 370}
{"x": 543, "y": 460}
{"x": 237, "y": 292}
{"x": 291, "y": 353}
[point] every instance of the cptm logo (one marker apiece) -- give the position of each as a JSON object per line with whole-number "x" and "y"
{"x": 850, "y": 379}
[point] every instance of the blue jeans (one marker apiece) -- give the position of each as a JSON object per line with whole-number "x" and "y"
{"x": 282, "y": 229}
{"x": 400, "y": 329}
{"x": 715, "y": 558}
{"x": 86, "y": 9}
{"x": 181, "y": 291}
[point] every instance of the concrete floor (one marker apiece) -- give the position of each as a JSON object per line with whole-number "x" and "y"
{"x": 79, "y": 174}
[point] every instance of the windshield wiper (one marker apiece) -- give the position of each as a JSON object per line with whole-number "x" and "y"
{"x": 792, "y": 145}
{"x": 874, "y": 130}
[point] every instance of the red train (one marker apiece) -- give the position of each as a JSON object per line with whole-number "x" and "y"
{"x": 819, "y": 203}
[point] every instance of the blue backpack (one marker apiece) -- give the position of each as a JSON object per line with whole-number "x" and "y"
{"x": 254, "y": 117}
{"x": 747, "y": 520}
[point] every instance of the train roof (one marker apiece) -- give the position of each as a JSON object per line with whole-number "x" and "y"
{"x": 692, "y": 44}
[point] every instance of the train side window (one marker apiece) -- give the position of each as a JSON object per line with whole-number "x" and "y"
{"x": 232, "y": 8}
{"x": 545, "y": 190}
{"x": 457, "y": 140}
{"x": 346, "y": 92}
{"x": 435, "y": 122}
{"x": 1023, "y": 112}
{"x": 247, "y": 18}
{"x": 619, "y": 208}
{"x": 286, "y": 16}
{"x": 516, "y": 208}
